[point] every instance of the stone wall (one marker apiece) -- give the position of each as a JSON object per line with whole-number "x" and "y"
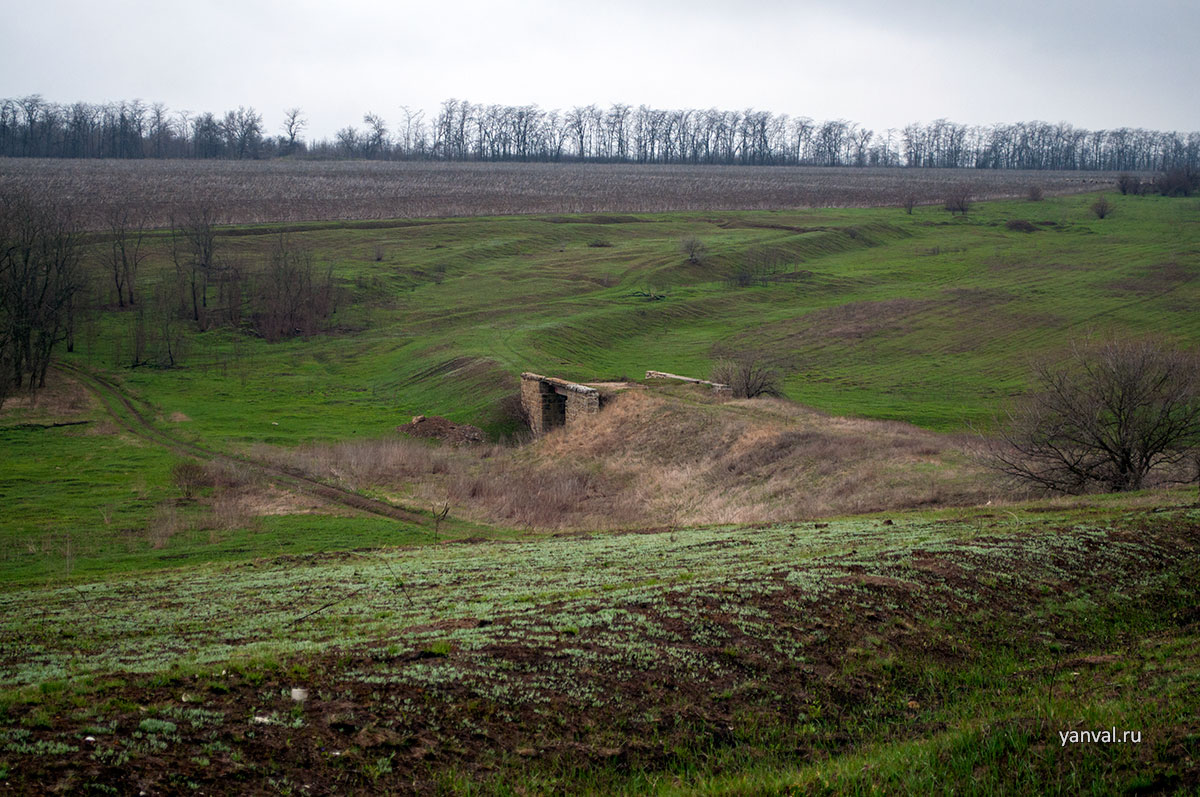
{"x": 551, "y": 402}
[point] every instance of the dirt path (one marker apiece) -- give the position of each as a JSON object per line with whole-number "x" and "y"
{"x": 129, "y": 417}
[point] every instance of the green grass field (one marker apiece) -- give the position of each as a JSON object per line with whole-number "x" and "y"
{"x": 924, "y": 318}
{"x": 937, "y": 650}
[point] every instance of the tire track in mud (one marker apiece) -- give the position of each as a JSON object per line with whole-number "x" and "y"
{"x": 123, "y": 410}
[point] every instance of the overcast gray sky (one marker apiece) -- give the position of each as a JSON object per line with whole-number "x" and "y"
{"x": 882, "y": 63}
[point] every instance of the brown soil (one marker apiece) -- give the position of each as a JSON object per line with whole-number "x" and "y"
{"x": 438, "y": 428}
{"x": 867, "y": 645}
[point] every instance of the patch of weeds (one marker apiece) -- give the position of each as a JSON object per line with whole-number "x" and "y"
{"x": 282, "y": 785}
{"x": 151, "y": 725}
{"x": 119, "y": 705}
{"x": 112, "y": 756}
{"x": 197, "y": 717}
{"x": 440, "y": 649}
{"x": 381, "y": 766}
{"x": 99, "y": 729}
{"x": 41, "y": 747}
{"x": 52, "y": 687}
{"x": 39, "y": 718}
{"x": 177, "y": 780}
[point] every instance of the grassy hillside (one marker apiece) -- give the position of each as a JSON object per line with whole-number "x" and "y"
{"x": 182, "y": 547}
{"x": 923, "y": 318}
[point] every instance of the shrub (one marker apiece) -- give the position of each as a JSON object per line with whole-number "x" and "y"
{"x": 1128, "y": 184}
{"x": 748, "y": 376}
{"x": 1035, "y": 193}
{"x": 1179, "y": 181}
{"x": 189, "y": 476}
{"x": 958, "y": 200}
{"x": 694, "y": 248}
{"x": 1102, "y": 208}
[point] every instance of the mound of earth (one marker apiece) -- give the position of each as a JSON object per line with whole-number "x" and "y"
{"x": 439, "y": 428}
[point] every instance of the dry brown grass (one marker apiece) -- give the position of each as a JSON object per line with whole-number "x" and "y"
{"x": 61, "y": 400}
{"x": 681, "y": 458}
{"x": 164, "y": 524}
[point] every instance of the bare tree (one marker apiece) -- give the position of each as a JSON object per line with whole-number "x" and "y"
{"x": 124, "y": 256}
{"x": 694, "y": 248}
{"x": 293, "y": 124}
{"x": 348, "y": 141}
{"x": 376, "y": 140}
{"x": 748, "y": 376}
{"x": 290, "y": 297}
{"x": 1107, "y": 417}
{"x": 193, "y": 250}
{"x": 39, "y": 278}
{"x": 242, "y": 130}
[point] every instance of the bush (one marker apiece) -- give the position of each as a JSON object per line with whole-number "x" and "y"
{"x": 958, "y": 201}
{"x": 1128, "y": 184}
{"x": 1102, "y": 208}
{"x": 748, "y": 377}
{"x": 1035, "y": 193}
{"x": 1106, "y": 417}
{"x": 694, "y": 248}
{"x": 1180, "y": 181}
{"x": 189, "y": 477}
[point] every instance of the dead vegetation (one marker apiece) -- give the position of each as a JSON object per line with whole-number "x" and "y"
{"x": 217, "y": 498}
{"x": 679, "y": 458}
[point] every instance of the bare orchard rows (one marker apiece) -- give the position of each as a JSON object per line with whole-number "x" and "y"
{"x": 281, "y": 190}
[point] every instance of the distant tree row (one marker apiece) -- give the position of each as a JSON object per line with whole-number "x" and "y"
{"x": 460, "y": 130}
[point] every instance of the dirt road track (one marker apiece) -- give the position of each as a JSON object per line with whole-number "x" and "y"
{"x": 126, "y": 413}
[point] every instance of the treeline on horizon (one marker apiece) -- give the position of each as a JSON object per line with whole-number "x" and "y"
{"x": 462, "y": 131}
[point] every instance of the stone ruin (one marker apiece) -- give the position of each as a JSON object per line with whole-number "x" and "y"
{"x": 551, "y": 402}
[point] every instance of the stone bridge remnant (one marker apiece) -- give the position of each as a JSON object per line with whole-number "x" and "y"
{"x": 551, "y": 402}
